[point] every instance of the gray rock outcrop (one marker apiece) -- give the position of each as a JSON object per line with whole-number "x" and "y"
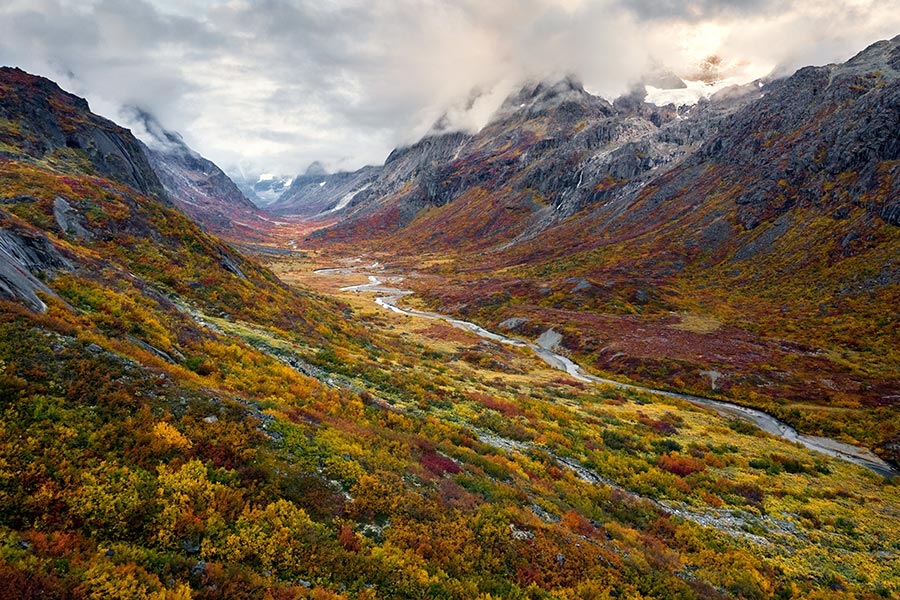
{"x": 24, "y": 256}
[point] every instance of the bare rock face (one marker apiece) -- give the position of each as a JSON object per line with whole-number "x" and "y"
{"x": 513, "y": 323}
{"x": 70, "y": 221}
{"x": 53, "y": 121}
{"x": 550, "y": 340}
{"x": 826, "y": 136}
{"x": 23, "y": 256}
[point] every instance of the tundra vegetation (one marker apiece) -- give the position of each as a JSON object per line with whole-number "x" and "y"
{"x": 178, "y": 422}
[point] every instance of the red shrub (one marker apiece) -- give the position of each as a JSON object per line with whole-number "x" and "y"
{"x": 348, "y": 539}
{"x": 665, "y": 428}
{"x": 679, "y": 465}
{"x": 507, "y": 409}
{"x": 438, "y": 464}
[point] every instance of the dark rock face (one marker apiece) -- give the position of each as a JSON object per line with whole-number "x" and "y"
{"x": 32, "y": 252}
{"x": 428, "y": 163}
{"x": 23, "y": 256}
{"x": 566, "y": 100}
{"x": 52, "y": 121}
{"x": 70, "y": 221}
{"x": 825, "y": 136}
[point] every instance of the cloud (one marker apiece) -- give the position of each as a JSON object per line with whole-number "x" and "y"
{"x": 271, "y": 85}
{"x": 697, "y": 10}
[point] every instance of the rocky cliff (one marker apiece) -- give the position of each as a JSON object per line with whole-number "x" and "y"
{"x": 198, "y": 187}
{"x": 319, "y": 193}
{"x": 43, "y": 122}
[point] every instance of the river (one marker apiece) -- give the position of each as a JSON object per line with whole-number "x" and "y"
{"x": 390, "y": 296}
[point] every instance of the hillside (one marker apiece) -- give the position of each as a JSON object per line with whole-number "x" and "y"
{"x": 177, "y": 422}
{"x": 745, "y": 246}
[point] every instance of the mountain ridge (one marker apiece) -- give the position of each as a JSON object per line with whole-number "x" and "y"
{"x": 770, "y": 209}
{"x": 198, "y": 187}
{"x": 180, "y": 423}
{"x": 551, "y": 150}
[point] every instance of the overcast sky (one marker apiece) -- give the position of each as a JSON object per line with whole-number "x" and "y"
{"x": 271, "y": 85}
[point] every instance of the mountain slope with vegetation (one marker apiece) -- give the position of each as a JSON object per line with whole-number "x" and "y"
{"x": 745, "y": 247}
{"x": 178, "y": 423}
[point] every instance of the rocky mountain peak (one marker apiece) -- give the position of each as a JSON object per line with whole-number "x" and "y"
{"x": 567, "y": 84}
{"x": 315, "y": 169}
{"x": 536, "y": 98}
{"x": 663, "y": 78}
{"x": 882, "y": 57}
{"x": 41, "y": 119}
{"x": 157, "y": 137}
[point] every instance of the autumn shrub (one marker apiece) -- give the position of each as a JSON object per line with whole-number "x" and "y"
{"x": 200, "y": 365}
{"x": 615, "y": 440}
{"x": 439, "y": 465}
{"x": 665, "y": 428}
{"x": 25, "y": 584}
{"x": 666, "y": 445}
{"x": 679, "y": 465}
{"x": 348, "y": 539}
{"x": 507, "y": 409}
{"x": 750, "y": 492}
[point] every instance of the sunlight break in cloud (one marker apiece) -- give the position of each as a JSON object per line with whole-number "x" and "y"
{"x": 271, "y": 85}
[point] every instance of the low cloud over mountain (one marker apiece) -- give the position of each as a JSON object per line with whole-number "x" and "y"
{"x": 271, "y": 86}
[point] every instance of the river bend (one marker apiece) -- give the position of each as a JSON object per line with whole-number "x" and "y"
{"x": 389, "y": 297}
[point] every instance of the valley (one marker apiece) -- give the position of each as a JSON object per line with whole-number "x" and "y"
{"x": 742, "y": 248}
{"x": 595, "y": 349}
{"x": 388, "y": 297}
{"x": 498, "y": 372}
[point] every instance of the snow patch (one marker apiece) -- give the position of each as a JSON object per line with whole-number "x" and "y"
{"x": 345, "y": 200}
{"x": 689, "y": 95}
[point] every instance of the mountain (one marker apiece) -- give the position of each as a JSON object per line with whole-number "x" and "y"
{"x": 262, "y": 189}
{"x": 198, "y": 187}
{"x": 69, "y": 135}
{"x": 81, "y": 201}
{"x": 316, "y": 192}
{"x": 178, "y": 423}
{"x": 752, "y": 238}
{"x": 550, "y": 150}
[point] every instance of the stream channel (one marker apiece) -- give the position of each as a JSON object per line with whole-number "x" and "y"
{"x": 389, "y": 297}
